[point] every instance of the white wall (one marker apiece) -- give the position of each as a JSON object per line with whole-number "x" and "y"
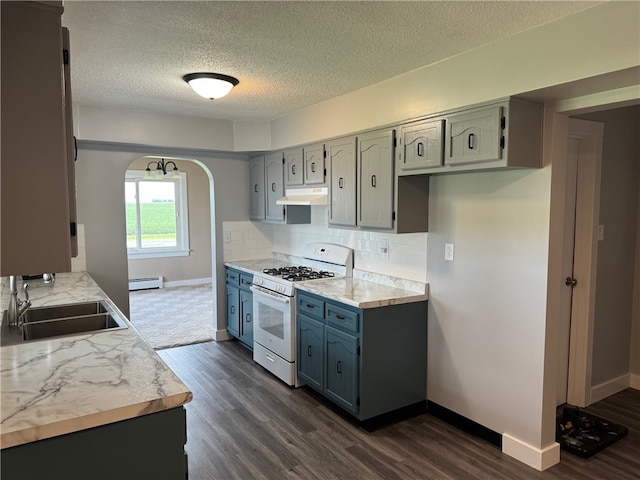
{"x": 100, "y": 173}
{"x": 487, "y": 307}
{"x": 196, "y": 265}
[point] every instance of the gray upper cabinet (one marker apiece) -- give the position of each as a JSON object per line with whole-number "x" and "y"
{"x": 375, "y": 179}
{"x": 267, "y": 187}
{"x": 475, "y": 136}
{"x": 258, "y": 197}
{"x": 421, "y": 146}
{"x": 314, "y": 171}
{"x": 274, "y": 175}
{"x": 293, "y": 167}
{"x": 504, "y": 134}
{"x": 341, "y": 158}
{"x": 37, "y": 186}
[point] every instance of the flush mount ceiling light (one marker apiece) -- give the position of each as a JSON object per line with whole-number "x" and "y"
{"x": 211, "y": 85}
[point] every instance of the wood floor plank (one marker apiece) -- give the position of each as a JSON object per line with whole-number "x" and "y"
{"x": 243, "y": 423}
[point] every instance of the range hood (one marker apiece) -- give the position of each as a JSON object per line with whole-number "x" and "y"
{"x": 305, "y": 196}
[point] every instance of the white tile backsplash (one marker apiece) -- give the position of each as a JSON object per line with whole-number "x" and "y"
{"x": 406, "y": 257}
{"x": 247, "y": 240}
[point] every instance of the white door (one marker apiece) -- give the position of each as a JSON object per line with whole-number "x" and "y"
{"x": 579, "y": 262}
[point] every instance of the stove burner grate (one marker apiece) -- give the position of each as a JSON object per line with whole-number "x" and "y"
{"x": 296, "y": 274}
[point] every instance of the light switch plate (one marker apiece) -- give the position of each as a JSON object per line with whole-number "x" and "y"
{"x": 448, "y": 252}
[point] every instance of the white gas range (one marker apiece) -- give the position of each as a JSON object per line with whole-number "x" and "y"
{"x": 274, "y": 304}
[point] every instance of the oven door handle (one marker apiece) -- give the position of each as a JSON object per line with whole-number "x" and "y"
{"x": 264, "y": 294}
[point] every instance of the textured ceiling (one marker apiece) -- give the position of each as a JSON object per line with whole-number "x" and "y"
{"x": 287, "y": 55}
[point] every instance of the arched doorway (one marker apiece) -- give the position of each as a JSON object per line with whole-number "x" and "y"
{"x": 170, "y": 246}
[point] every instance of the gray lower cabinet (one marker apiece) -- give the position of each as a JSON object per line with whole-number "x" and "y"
{"x": 149, "y": 447}
{"x": 367, "y": 361}
{"x": 240, "y": 306}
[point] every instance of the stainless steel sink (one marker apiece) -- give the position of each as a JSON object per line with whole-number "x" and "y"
{"x": 61, "y": 320}
{"x": 39, "y": 314}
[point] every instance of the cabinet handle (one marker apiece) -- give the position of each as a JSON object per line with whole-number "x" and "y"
{"x": 255, "y": 188}
{"x": 309, "y": 351}
{"x": 421, "y": 149}
{"x": 273, "y": 187}
{"x": 313, "y": 167}
{"x": 339, "y": 367}
{"x": 247, "y": 318}
{"x": 293, "y": 169}
{"x": 340, "y": 317}
{"x": 233, "y": 309}
{"x": 310, "y": 306}
{"x": 373, "y": 181}
{"x": 340, "y": 182}
{"x": 472, "y": 142}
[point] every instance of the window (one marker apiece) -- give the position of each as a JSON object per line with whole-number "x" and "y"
{"x": 156, "y": 212}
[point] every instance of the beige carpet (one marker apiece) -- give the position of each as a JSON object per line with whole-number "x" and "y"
{"x": 170, "y": 317}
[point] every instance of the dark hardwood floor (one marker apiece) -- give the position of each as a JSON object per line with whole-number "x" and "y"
{"x": 243, "y": 423}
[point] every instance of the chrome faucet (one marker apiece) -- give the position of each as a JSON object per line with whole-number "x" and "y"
{"x": 17, "y": 308}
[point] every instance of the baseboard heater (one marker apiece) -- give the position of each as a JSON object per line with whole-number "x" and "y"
{"x": 144, "y": 283}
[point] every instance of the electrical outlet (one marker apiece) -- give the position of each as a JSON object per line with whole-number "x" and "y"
{"x": 600, "y": 232}
{"x": 227, "y": 237}
{"x": 383, "y": 248}
{"x": 448, "y": 252}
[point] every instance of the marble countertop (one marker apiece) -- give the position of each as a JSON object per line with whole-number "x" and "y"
{"x": 362, "y": 293}
{"x": 363, "y": 290}
{"x": 66, "y": 384}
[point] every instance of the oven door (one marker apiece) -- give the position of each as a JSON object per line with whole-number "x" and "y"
{"x": 273, "y": 316}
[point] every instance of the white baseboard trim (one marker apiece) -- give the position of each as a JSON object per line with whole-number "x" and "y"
{"x": 532, "y": 456}
{"x": 221, "y": 335}
{"x": 610, "y": 387}
{"x": 187, "y": 283}
{"x": 634, "y": 381}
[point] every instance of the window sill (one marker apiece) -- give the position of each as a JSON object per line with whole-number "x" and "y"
{"x": 144, "y": 255}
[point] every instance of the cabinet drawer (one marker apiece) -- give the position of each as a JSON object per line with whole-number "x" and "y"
{"x": 341, "y": 317}
{"x": 233, "y": 277}
{"x": 310, "y": 306}
{"x": 246, "y": 280}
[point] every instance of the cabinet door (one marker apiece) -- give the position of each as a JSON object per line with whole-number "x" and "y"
{"x": 422, "y": 146}
{"x": 293, "y": 167}
{"x": 310, "y": 351}
{"x": 70, "y": 142}
{"x": 314, "y": 164}
{"x": 256, "y": 167}
{"x": 233, "y": 310}
{"x": 375, "y": 179}
{"x": 275, "y": 185}
{"x": 474, "y": 136}
{"x": 35, "y": 177}
{"x": 341, "y": 156}
{"x": 341, "y": 368}
{"x": 246, "y": 320}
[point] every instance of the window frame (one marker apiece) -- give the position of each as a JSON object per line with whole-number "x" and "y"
{"x": 179, "y": 179}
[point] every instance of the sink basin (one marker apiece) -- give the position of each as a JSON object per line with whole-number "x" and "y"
{"x": 61, "y": 320}
{"x": 39, "y": 314}
{"x": 69, "y": 326}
